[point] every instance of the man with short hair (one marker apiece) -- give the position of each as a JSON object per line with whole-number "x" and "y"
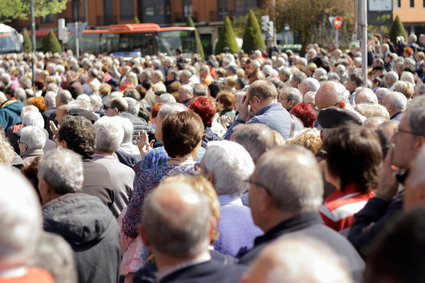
{"x": 179, "y": 211}
{"x": 82, "y": 220}
{"x": 261, "y": 98}
{"x": 227, "y": 165}
{"x": 289, "y": 97}
{"x": 185, "y": 94}
{"x": 395, "y": 102}
{"x": 285, "y": 195}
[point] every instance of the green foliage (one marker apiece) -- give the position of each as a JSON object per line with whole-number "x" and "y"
{"x": 397, "y": 29}
{"x": 239, "y": 23}
{"x": 51, "y": 44}
{"x": 252, "y": 38}
{"x": 199, "y": 46}
{"x": 136, "y": 20}
{"x": 19, "y": 9}
{"x": 227, "y": 38}
{"x": 27, "y": 44}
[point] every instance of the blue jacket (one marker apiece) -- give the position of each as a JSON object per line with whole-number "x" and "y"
{"x": 10, "y": 113}
{"x": 274, "y": 116}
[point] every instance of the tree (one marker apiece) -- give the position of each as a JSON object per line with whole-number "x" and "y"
{"x": 397, "y": 29}
{"x": 227, "y": 38}
{"x": 20, "y": 9}
{"x": 51, "y": 44}
{"x": 252, "y": 38}
{"x": 136, "y": 20}
{"x": 27, "y": 44}
{"x": 199, "y": 47}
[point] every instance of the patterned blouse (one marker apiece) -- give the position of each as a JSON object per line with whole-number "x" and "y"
{"x": 146, "y": 180}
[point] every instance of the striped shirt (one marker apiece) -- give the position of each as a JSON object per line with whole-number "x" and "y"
{"x": 340, "y": 206}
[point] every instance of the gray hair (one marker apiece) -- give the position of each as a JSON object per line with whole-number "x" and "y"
{"x": 398, "y": 100}
{"x": 183, "y": 234}
{"x": 255, "y": 138}
{"x": 53, "y": 87}
{"x": 312, "y": 84}
{"x": 417, "y": 115}
{"x": 293, "y": 177}
{"x": 21, "y": 220}
{"x": 167, "y": 97}
{"x": 420, "y": 89}
{"x": 292, "y": 94}
{"x": 392, "y": 75}
{"x": 63, "y": 97}
{"x": 34, "y": 137}
{"x": 109, "y": 134}
{"x": 323, "y": 75}
{"x": 31, "y": 116}
{"x": 231, "y": 165}
{"x": 170, "y": 108}
{"x": 158, "y": 74}
{"x": 50, "y": 98}
{"x": 285, "y": 71}
{"x": 128, "y": 129}
{"x": 299, "y": 76}
{"x": 96, "y": 101}
{"x": 20, "y": 94}
{"x": 55, "y": 169}
{"x": 133, "y": 105}
{"x": 200, "y": 90}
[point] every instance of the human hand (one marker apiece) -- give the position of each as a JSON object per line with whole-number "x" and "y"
{"x": 225, "y": 121}
{"x": 143, "y": 143}
{"x": 388, "y": 185}
{"x": 53, "y": 128}
{"x": 244, "y": 109}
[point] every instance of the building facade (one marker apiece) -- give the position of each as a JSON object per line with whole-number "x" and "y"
{"x": 412, "y": 14}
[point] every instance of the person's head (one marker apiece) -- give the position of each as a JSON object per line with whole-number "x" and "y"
{"x": 405, "y": 88}
{"x": 177, "y": 222}
{"x": 114, "y": 106}
{"x": 261, "y": 94}
{"x": 225, "y": 100}
{"x": 56, "y": 176}
{"x": 21, "y": 220}
{"x": 297, "y": 258}
{"x": 355, "y": 80}
{"x": 77, "y": 134}
{"x": 31, "y": 116}
{"x": 415, "y": 183}
{"x": 353, "y": 156}
{"x": 32, "y": 137}
{"x": 308, "y": 84}
{"x": 297, "y": 78}
{"x": 255, "y": 138}
{"x": 306, "y": 113}
{"x": 227, "y": 165}
{"x": 394, "y": 102}
{"x": 366, "y": 95}
{"x": 396, "y": 255}
{"x": 63, "y": 97}
{"x": 128, "y": 128}
{"x": 308, "y": 138}
{"x": 133, "y": 106}
{"x": 50, "y": 99}
{"x": 200, "y": 90}
{"x": 61, "y": 112}
{"x": 410, "y": 135}
{"x": 185, "y": 93}
{"x": 182, "y": 133}
{"x": 330, "y": 94}
{"x": 287, "y": 181}
{"x": 165, "y": 110}
{"x": 419, "y": 90}
{"x": 157, "y": 76}
{"x": 373, "y": 110}
{"x": 289, "y": 97}
{"x": 109, "y": 135}
{"x": 204, "y": 108}
{"x": 390, "y": 78}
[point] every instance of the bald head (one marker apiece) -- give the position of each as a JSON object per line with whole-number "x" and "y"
{"x": 330, "y": 94}
{"x": 176, "y": 220}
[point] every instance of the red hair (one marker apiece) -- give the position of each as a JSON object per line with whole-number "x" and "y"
{"x": 204, "y": 108}
{"x": 155, "y": 109}
{"x": 306, "y": 113}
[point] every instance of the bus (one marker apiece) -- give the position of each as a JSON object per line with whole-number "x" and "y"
{"x": 136, "y": 39}
{"x": 10, "y": 40}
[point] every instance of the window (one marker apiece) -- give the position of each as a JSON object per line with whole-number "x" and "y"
{"x": 159, "y": 10}
{"x": 423, "y": 4}
{"x": 412, "y": 3}
{"x": 48, "y": 19}
{"x": 397, "y": 3}
{"x": 240, "y": 5}
{"x": 187, "y": 10}
{"x": 149, "y": 11}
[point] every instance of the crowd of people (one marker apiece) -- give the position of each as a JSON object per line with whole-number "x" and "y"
{"x": 241, "y": 168}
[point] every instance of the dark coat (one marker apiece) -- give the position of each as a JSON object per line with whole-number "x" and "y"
{"x": 91, "y": 230}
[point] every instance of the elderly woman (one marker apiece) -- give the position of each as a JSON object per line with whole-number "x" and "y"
{"x": 181, "y": 135}
{"x": 353, "y": 162}
{"x": 31, "y": 143}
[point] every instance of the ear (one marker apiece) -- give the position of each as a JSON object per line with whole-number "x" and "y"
{"x": 142, "y": 234}
{"x": 210, "y": 178}
{"x": 213, "y": 229}
{"x": 256, "y": 99}
{"x": 341, "y": 105}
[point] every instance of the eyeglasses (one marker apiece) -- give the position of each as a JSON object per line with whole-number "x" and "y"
{"x": 402, "y": 176}
{"x": 251, "y": 182}
{"x": 106, "y": 107}
{"x": 406, "y": 132}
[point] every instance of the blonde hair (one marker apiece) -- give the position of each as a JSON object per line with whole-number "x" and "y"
{"x": 372, "y": 110}
{"x": 203, "y": 185}
{"x": 405, "y": 88}
{"x": 308, "y": 138}
{"x": 6, "y": 150}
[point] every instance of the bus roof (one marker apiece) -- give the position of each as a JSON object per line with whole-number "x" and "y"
{"x": 134, "y": 28}
{"x": 5, "y": 28}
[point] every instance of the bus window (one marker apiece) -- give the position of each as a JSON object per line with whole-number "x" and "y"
{"x": 145, "y": 43}
{"x": 9, "y": 42}
{"x": 109, "y": 42}
{"x": 169, "y": 41}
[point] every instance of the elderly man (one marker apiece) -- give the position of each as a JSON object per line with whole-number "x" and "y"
{"x": 31, "y": 143}
{"x": 297, "y": 259}
{"x": 77, "y": 134}
{"x": 289, "y": 97}
{"x": 179, "y": 211}
{"x": 158, "y": 81}
{"x": 285, "y": 192}
{"x": 407, "y": 141}
{"x": 109, "y": 136}
{"x": 227, "y": 165}
{"x": 185, "y": 94}
{"x": 308, "y": 84}
{"x": 415, "y": 183}
{"x": 20, "y": 231}
{"x": 395, "y": 103}
{"x": 261, "y": 98}
{"x": 333, "y": 93}
{"x": 365, "y": 95}
{"x": 82, "y": 220}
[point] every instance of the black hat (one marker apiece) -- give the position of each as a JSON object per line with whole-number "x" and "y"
{"x": 334, "y": 117}
{"x": 83, "y": 113}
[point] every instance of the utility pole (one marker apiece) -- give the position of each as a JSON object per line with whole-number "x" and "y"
{"x": 33, "y": 40}
{"x": 363, "y": 27}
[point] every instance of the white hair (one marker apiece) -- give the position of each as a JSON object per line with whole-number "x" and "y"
{"x": 2, "y": 96}
{"x": 393, "y": 76}
{"x": 116, "y": 94}
{"x": 31, "y": 116}
{"x": 128, "y": 129}
{"x": 133, "y": 105}
{"x": 50, "y": 98}
{"x": 109, "y": 134}
{"x": 34, "y": 137}
{"x": 231, "y": 165}
{"x": 20, "y": 221}
{"x": 52, "y": 87}
{"x": 169, "y": 108}
{"x": 408, "y": 77}
{"x": 166, "y": 97}
{"x": 398, "y": 100}
{"x": 96, "y": 101}
{"x": 20, "y": 94}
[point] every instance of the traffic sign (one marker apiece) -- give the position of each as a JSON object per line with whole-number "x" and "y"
{"x": 338, "y": 22}
{"x": 76, "y": 28}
